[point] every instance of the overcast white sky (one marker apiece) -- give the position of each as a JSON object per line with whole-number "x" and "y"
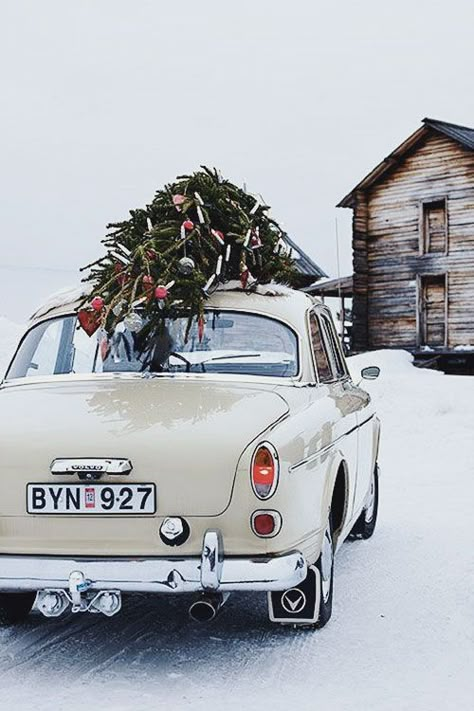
{"x": 102, "y": 101}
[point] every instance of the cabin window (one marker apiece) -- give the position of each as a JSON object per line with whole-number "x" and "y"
{"x": 434, "y": 227}
{"x": 433, "y": 311}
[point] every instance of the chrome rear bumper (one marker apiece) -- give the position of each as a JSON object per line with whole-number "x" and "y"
{"x": 211, "y": 572}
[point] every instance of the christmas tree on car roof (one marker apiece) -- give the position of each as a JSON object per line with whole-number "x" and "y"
{"x": 167, "y": 259}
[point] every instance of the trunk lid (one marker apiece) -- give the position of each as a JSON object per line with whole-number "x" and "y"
{"x": 185, "y": 435}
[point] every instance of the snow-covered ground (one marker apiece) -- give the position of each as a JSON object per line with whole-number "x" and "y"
{"x": 401, "y": 637}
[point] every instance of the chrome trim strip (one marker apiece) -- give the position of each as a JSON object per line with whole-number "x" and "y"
{"x": 97, "y": 465}
{"x": 154, "y": 575}
{"x": 322, "y": 451}
{"x": 252, "y": 380}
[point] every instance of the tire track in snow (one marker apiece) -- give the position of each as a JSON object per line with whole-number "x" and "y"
{"x": 41, "y": 645}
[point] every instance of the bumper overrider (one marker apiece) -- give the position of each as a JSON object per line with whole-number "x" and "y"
{"x": 95, "y": 584}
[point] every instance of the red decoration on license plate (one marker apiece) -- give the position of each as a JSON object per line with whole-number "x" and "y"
{"x": 90, "y": 497}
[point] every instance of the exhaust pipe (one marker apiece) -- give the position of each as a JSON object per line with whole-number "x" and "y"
{"x": 207, "y": 606}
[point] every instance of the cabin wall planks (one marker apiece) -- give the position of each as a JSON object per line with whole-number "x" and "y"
{"x": 413, "y": 250}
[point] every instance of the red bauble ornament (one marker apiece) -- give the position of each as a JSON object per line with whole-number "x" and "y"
{"x": 244, "y": 277}
{"x": 200, "y": 328}
{"x": 188, "y": 225}
{"x": 151, "y": 254}
{"x": 178, "y": 200}
{"x": 122, "y": 278}
{"x": 148, "y": 284}
{"x": 161, "y": 292}
{"x": 97, "y": 303}
{"x": 89, "y": 320}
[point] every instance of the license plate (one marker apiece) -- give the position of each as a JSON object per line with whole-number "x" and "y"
{"x": 123, "y": 499}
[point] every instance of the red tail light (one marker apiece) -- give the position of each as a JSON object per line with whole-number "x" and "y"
{"x": 266, "y": 523}
{"x": 264, "y": 471}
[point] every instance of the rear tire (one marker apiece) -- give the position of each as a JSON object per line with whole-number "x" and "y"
{"x": 325, "y": 565}
{"x": 15, "y": 607}
{"x": 364, "y": 527}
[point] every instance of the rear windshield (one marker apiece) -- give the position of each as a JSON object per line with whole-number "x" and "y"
{"x": 229, "y": 342}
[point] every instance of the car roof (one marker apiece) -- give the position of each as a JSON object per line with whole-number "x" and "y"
{"x": 274, "y": 300}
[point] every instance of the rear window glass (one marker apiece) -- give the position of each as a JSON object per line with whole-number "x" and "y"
{"x": 229, "y": 342}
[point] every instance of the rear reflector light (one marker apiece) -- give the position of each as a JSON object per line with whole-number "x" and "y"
{"x": 264, "y": 471}
{"x": 266, "y": 523}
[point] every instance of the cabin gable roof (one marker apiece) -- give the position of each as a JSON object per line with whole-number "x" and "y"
{"x": 461, "y": 134}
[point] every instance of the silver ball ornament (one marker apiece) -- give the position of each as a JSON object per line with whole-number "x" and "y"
{"x": 186, "y": 265}
{"x": 133, "y": 322}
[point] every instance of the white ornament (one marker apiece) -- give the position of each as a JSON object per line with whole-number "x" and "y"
{"x": 119, "y": 307}
{"x": 218, "y": 236}
{"x": 256, "y": 206}
{"x": 209, "y": 283}
{"x": 139, "y": 301}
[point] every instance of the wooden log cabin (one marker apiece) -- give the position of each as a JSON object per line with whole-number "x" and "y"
{"x": 413, "y": 246}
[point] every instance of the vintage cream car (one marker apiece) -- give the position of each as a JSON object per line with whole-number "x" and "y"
{"x": 237, "y": 459}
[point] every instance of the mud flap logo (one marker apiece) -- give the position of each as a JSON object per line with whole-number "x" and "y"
{"x": 293, "y": 601}
{"x": 298, "y": 605}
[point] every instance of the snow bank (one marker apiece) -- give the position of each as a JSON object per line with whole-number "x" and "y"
{"x": 391, "y": 362}
{"x": 406, "y": 391}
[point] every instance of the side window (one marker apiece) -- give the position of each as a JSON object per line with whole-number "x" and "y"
{"x": 340, "y": 370}
{"x": 45, "y": 350}
{"x": 43, "y": 358}
{"x": 323, "y": 365}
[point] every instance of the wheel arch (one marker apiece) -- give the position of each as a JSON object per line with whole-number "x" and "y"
{"x": 336, "y": 498}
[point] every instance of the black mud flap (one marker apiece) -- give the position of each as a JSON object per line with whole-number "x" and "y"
{"x": 299, "y": 605}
